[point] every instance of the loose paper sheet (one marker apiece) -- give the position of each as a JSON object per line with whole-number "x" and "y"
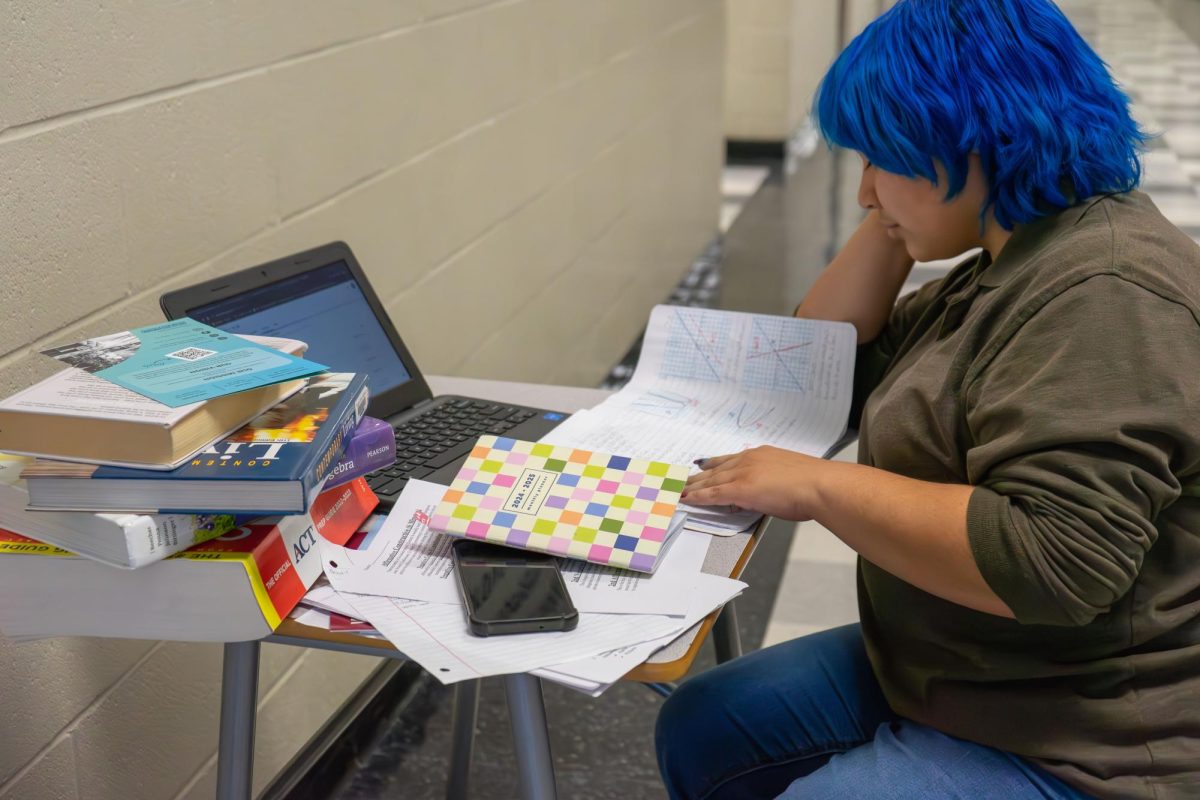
{"x": 435, "y": 636}
{"x": 182, "y": 361}
{"x": 408, "y": 560}
{"x": 600, "y": 671}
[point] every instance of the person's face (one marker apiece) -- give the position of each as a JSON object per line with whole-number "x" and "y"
{"x": 916, "y": 212}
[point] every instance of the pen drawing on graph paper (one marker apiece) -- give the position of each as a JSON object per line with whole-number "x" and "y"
{"x": 699, "y": 347}
{"x": 664, "y": 403}
{"x": 747, "y": 416}
{"x": 778, "y": 355}
{"x": 757, "y": 352}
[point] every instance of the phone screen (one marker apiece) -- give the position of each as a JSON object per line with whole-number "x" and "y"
{"x": 503, "y": 585}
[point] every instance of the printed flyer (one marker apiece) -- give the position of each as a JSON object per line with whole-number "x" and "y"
{"x": 183, "y": 361}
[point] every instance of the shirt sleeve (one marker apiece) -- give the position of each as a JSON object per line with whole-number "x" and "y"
{"x": 1079, "y": 426}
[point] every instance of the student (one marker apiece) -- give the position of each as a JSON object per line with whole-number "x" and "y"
{"x": 1027, "y": 502}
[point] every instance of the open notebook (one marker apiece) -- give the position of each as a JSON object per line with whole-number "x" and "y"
{"x": 713, "y": 382}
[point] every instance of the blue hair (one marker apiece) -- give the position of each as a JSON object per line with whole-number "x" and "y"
{"x": 936, "y": 80}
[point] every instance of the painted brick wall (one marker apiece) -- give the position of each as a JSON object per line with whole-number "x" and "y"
{"x": 521, "y": 180}
{"x": 777, "y": 52}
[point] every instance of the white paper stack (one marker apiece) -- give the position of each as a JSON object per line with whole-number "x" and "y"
{"x": 402, "y": 582}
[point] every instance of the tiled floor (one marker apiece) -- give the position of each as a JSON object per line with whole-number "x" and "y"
{"x": 1159, "y": 66}
{"x": 738, "y": 185}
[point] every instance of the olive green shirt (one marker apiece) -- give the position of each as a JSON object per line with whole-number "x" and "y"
{"x": 1063, "y": 383}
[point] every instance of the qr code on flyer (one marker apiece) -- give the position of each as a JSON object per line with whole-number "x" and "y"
{"x": 191, "y": 354}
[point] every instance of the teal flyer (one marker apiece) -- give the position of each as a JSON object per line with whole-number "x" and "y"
{"x": 183, "y": 361}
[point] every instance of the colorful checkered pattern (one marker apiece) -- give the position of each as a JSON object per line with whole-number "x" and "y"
{"x": 606, "y": 509}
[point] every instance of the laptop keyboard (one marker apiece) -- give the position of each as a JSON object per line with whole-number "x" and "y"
{"x": 430, "y": 441}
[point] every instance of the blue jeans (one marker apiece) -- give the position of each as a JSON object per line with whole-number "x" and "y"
{"x": 807, "y": 719}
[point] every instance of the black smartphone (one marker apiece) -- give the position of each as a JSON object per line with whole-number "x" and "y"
{"x": 511, "y": 591}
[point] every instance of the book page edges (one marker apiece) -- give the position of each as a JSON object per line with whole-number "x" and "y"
{"x": 258, "y": 587}
{"x": 80, "y": 439}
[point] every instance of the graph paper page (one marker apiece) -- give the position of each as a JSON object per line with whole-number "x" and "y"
{"x": 711, "y": 382}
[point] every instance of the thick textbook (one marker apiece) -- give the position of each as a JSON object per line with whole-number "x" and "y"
{"x": 234, "y": 588}
{"x": 274, "y": 465}
{"x": 76, "y": 416}
{"x": 607, "y": 509}
{"x": 119, "y": 540}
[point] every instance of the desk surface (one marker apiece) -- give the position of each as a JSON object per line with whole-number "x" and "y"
{"x": 726, "y": 555}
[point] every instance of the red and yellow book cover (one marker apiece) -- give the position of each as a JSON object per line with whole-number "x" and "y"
{"x": 16, "y": 543}
{"x": 279, "y": 554}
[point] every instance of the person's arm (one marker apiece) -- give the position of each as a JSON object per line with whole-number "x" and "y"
{"x": 861, "y": 283}
{"x": 916, "y": 530}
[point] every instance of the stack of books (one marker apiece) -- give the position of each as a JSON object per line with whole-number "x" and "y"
{"x": 196, "y": 522}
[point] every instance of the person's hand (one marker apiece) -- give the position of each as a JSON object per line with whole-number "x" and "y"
{"x": 781, "y": 483}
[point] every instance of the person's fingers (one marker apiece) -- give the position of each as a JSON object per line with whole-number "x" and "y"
{"x": 715, "y": 461}
{"x": 708, "y": 478}
{"x": 730, "y": 479}
{"x": 717, "y": 495}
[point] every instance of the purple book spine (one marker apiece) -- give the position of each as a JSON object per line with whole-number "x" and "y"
{"x": 372, "y": 447}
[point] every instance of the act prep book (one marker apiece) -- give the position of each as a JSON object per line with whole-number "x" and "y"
{"x": 233, "y": 588}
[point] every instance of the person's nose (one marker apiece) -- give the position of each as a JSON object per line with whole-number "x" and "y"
{"x": 866, "y": 190}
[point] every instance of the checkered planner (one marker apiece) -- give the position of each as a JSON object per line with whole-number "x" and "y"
{"x": 601, "y": 508}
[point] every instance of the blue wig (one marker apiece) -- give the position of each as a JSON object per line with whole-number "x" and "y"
{"x": 936, "y": 80}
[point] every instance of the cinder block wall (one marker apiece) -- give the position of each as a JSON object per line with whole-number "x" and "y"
{"x": 521, "y": 180}
{"x": 777, "y": 51}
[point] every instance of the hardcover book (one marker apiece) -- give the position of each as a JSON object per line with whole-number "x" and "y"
{"x": 602, "y": 508}
{"x": 234, "y": 588}
{"x": 274, "y": 465}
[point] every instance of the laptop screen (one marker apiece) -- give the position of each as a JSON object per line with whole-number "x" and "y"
{"x": 325, "y": 308}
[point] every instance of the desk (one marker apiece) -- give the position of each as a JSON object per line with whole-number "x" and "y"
{"x": 239, "y": 679}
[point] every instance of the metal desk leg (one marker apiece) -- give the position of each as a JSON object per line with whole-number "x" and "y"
{"x": 531, "y": 738}
{"x": 726, "y": 639}
{"x": 239, "y": 707}
{"x": 466, "y": 709}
